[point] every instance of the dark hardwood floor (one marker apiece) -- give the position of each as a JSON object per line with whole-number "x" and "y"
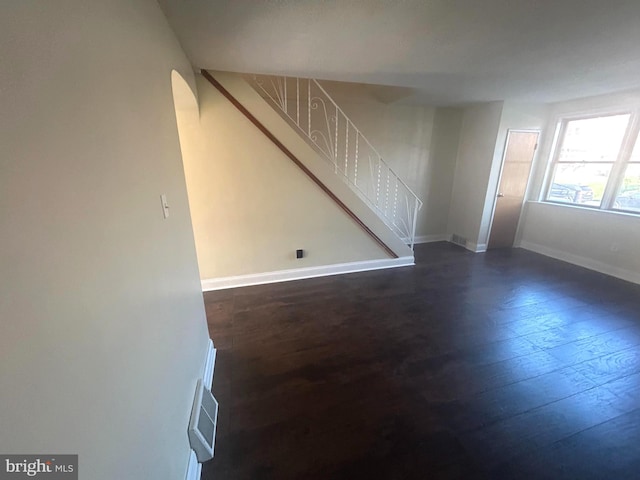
{"x": 504, "y": 365}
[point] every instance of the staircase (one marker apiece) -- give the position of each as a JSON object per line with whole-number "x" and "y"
{"x": 307, "y": 108}
{"x": 318, "y": 118}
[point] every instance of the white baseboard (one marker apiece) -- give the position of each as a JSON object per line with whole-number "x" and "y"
{"x": 194, "y": 469}
{"x": 585, "y": 262}
{"x": 302, "y": 273}
{"x": 440, "y": 237}
{"x": 476, "y": 247}
{"x": 209, "y": 365}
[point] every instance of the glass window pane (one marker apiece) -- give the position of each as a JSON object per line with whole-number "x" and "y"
{"x": 593, "y": 139}
{"x": 579, "y": 183}
{"x": 629, "y": 196}
{"x": 635, "y": 156}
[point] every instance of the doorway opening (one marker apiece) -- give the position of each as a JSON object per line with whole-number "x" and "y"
{"x": 512, "y": 187}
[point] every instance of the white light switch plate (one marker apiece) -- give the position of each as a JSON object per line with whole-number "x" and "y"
{"x": 165, "y": 205}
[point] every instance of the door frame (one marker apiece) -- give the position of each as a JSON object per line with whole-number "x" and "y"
{"x": 497, "y": 185}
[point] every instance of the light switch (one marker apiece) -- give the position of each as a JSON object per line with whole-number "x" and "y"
{"x": 165, "y": 205}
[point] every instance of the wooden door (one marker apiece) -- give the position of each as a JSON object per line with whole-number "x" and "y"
{"x": 516, "y": 168}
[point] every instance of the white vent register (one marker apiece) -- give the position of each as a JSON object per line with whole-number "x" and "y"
{"x": 202, "y": 426}
{"x": 204, "y": 418}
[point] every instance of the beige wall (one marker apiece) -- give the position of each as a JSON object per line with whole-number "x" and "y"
{"x": 440, "y": 175}
{"x": 475, "y": 159}
{"x": 251, "y": 206}
{"x": 418, "y": 142}
{"x": 103, "y": 330}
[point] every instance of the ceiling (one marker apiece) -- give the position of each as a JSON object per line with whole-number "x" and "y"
{"x": 439, "y": 52}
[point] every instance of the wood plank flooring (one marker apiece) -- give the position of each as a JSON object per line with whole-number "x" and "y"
{"x": 504, "y": 365}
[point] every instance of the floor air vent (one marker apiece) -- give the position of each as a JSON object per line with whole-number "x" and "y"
{"x": 202, "y": 426}
{"x": 459, "y": 240}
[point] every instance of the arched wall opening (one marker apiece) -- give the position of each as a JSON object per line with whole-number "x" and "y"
{"x": 188, "y": 124}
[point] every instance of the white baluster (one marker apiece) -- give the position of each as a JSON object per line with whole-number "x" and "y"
{"x": 335, "y": 146}
{"x": 346, "y": 150}
{"x": 286, "y": 108}
{"x": 386, "y": 200}
{"x": 415, "y": 220}
{"x": 335, "y": 156}
{"x": 309, "y": 107}
{"x": 378, "y": 183}
{"x": 395, "y": 201}
{"x": 355, "y": 163}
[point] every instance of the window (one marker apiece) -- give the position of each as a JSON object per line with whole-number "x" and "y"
{"x": 597, "y": 163}
{"x": 628, "y": 194}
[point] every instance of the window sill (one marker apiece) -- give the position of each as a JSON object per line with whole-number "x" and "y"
{"x": 587, "y": 208}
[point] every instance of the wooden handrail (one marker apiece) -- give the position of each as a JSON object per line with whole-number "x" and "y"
{"x": 295, "y": 160}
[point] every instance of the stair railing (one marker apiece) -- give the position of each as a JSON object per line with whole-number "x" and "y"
{"x": 317, "y": 117}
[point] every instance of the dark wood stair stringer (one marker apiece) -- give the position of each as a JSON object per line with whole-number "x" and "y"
{"x": 295, "y": 160}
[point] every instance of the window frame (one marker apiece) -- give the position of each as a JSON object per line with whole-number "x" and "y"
{"x": 618, "y": 167}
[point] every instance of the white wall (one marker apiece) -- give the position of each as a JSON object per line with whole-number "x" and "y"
{"x": 252, "y": 207}
{"x": 476, "y": 156}
{"x": 418, "y": 142}
{"x": 103, "y": 330}
{"x": 440, "y": 174}
{"x": 603, "y": 241}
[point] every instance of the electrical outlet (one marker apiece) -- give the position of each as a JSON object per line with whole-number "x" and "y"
{"x": 299, "y": 253}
